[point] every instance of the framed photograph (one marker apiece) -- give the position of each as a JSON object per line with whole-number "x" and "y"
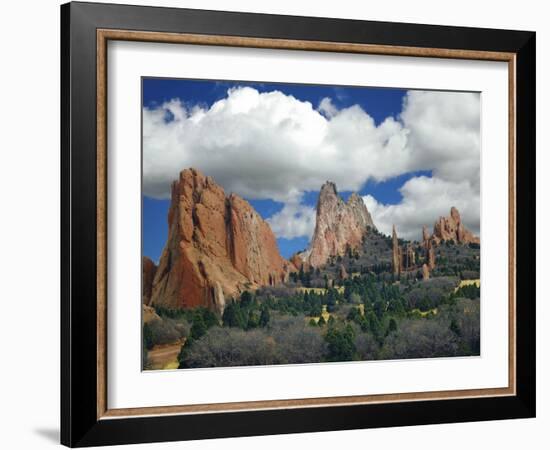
{"x": 276, "y": 224}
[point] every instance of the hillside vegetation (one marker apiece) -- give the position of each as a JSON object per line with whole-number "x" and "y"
{"x": 318, "y": 317}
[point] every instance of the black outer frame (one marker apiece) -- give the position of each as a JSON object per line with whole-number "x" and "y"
{"x": 79, "y": 424}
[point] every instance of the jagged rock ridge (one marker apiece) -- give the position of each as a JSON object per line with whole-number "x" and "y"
{"x": 339, "y": 226}
{"x": 217, "y": 247}
{"x": 452, "y": 228}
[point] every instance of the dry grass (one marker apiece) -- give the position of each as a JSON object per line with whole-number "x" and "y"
{"x": 340, "y": 289}
{"x": 314, "y": 290}
{"x": 425, "y": 313}
{"x": 468, "y": 283}
{"x": 171, "y": 365}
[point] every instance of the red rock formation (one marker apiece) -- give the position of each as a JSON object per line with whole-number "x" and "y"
{"x": 396, "y": 253}
{"x": 410, "y": 258}
{"x": 298, "y": 262}
{"x": 431, "y": 257}
{"x": 403, "y": 257}
{"x": 342, "y": 273}
{"x": 429, "y": 252}
{"x": 253, "y": 247}
{"x": 425, "y": 272}
{"x": 339, "y": 225}
{"x": 148, "y": 274}
{"x": 425, "y": 234}
{"x": 451, "y": 228}
{"x": 217, "y": 247}
{"x": 446, "y": 228}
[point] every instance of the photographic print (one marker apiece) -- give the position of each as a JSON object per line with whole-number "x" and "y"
{"x": 299, "y": 224}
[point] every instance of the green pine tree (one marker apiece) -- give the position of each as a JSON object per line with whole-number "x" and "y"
{"x": 264, "y": 317}
{"x": 198, "y": 329}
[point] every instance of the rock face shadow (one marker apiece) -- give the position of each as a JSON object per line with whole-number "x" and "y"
{"x": 49, "y": 434}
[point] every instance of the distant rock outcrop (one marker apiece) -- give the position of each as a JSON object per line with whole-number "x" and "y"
{"x": 451, "y": 228}
{"x": 217, "y": 247}
{"x": 339, "y": 226}
{"x": 149, "y": 269}
{"x": 403, "y": 257}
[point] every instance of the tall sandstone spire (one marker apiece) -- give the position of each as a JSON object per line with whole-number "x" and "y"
{"x": 396, "y": 253}
{"x": 429, "y": 251}
{"x": 217, "y": 247}
{"x": 339, "y": 225}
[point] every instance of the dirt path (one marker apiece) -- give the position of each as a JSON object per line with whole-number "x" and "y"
{"x": 165, "y": 356}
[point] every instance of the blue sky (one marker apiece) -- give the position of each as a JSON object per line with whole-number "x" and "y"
{"x": 199, "y": 95}
{"x": 379, "y": 102}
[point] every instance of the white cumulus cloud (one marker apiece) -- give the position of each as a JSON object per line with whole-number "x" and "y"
{"x": 327, "y": 108}
{"x": 444, "y": 133}
{"x": 294, "y": 220}
{"x": 272, "y": 145}
{"x": 268, "y": 145}
{"x": 424, "y": 200}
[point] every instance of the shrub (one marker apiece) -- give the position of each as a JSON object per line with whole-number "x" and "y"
{"x": 226, "y": 347}
{"x": 164, "y": 331}
{"x": 392, "y": 326}
{"x": 470, "y": 275}
{"x": 253, "y": 320}
{"x": 469, "y": 291}
{"x": 298, "y": 344}
{"x": 430, "y": 293}
{"x": 463, "y": 316}
{"x": 341, "y": 343}
{"x": 420, "y": 339}
{"x": 198, "y": 329}
{"x": 264, "y": 317}
{"x": 144, "y": 358}
{"x": 147, "y": 337}
{"x": 366, "y": 346}
{"x": 233, "y": 316}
